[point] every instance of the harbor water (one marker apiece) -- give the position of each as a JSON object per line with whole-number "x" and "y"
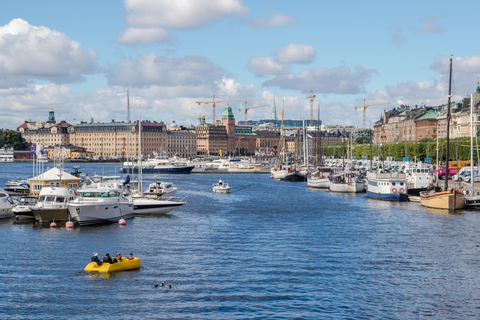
{"x": 268, "y": 250}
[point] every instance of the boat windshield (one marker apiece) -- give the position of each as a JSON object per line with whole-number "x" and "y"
{"x": 87, "y": 194}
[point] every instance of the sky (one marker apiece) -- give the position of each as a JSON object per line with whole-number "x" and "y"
{"x": 81, "y": 57}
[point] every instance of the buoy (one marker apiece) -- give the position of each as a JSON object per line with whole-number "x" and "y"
{"x": 53, "y": 225}
{"x": 69, "y": 225}
{"x": 122, "y": 222}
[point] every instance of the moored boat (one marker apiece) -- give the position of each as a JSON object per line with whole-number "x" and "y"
{"x": 6, "y": 205}
{"x": 390, "y": 186}
{"x": 24, "y": 207}
{"x": 450, "y": 200}
{"x": 319, "y": 178}
{"x": 52, "y": 204}
{"x": 346, "y": 182}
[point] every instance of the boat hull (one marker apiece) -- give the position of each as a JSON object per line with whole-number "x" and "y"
{"x": 321, "y": 183}
{"x": 114, "y": 267}
{"x": 346, "y": 187}
{"x": 447, "y": 200}
{"x": 387, "y": 196}
{"x": 170, "y": 170}
{"x": 152, "y": 206}
{"x": 89, "y": 214}
{"x": 57, "y": 214}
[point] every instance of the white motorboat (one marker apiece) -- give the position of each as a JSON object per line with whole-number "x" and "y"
{"x": 319, "y": 178}
{"x": 143, "y": 205}
{"x": 6, "y": 205}
{"x": 346, "y": 182}
{"x": 52, "y": 204}
{"x": 221, "y": 187}
{"x": 390, "y": 186}
{"x": 419, "y": 178}
{"x": 24, "y": 207}
{"x": 160, "y": 190}
{"x": 100, "y": 205}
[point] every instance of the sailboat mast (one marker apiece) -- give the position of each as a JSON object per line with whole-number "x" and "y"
{"x": 140, "y": 187}
{"x": 128, "y": 133}
{"x": 448, "y": 126}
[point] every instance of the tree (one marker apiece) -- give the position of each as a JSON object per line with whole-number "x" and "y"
{"x": 362, "y": 140}
{"x": 12, "y": 139}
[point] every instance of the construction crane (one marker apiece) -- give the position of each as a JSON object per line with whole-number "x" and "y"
{"x": 200, "y": 117}
{"x": 365, "y": 106}
{"x": 219, "y": 101}
{"x": 311, "y": 97}
{"x": 248, "y": 108}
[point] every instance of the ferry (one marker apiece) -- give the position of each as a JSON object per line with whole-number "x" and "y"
{"x": 6, "y": 155}
{"x": 159, "y": 164}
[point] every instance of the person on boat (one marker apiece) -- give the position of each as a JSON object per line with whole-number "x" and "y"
{"x": 107, "y": 259}
{"x": 119, "y": 257}
{"x": 220, "y": 182}
{"x": 130, "y": 257}
{"x": 95, "y": 258}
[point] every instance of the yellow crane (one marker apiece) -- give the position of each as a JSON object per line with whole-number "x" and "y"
{"x": 248, "y": 108}
{"x": 200, "y": 117}
{"x": 218, "y": 101}
{"x": 311, "y": 97}
{"x": 365, "y": 106}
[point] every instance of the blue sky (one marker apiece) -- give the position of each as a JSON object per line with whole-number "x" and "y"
{"x": 80, "y": 57}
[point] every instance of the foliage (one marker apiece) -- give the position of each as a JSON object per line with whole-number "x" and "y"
{"x": 362, "y": 140}
{"x": 11, "y": 139}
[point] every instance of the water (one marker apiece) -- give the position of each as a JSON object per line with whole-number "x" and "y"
{"x": 268, "y": 250}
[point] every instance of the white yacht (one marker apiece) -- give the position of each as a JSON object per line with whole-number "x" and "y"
{"x": 52, "y": 204}
{"x": 6, "y": 205}
{"x": 160, "y": 190}
{"x": 6, "y": 155}
{"x": 143, "y": 205}
{"x": 100, "y": 205}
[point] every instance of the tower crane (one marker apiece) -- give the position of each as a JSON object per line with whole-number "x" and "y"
{"x": 200, "y": 117}
{"x": 248, "y": 108}
{"x": 311, "y": 97}
{"x": 218, "y": 101}
{"x": 365, "y": 106}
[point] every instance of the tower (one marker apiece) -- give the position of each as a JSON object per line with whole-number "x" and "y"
{"x": 274, "y": 112}
{"x": 51, "y": 115}
{"x": 228, "y": 120}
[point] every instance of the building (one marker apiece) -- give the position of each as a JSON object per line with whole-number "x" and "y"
{"x": 181, "y": 141}
{"x": 117, "y": 139}
{"x": 68, "y": 152}
{"x": 49, "y": 133}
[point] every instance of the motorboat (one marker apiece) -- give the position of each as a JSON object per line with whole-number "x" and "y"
{"x": 114, "y": 267}
{"x": 390, "y": 186}
{"x": 221, "y": 187}
{"x": 160, "y": 190}
{"x": 419, "y": 178}
{"x": 143, "y": 205}
{"x": 52, "y": 204}
{"x": 24, "y": 207}
{"x": 17, "y": 188}
{"x": 110, "y": 181}
{"x": 159, "y": 164}
{"x": 346, "y": 182}
{"x": 6, "y": 205}
{"x": 319, "y": 178}
{"x": 100, "y": 205}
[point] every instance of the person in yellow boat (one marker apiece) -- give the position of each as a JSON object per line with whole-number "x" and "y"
{"x": 95, "y": 258}
{"x": 120, "y": 258}
{"x": 130, "y": 257}
{"x": 107, "y": 259}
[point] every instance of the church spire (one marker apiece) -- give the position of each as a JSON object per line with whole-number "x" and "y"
{"x": 274, "y": 112}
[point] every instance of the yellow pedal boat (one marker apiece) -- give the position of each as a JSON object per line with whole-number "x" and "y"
{"x": 113, "y": 267}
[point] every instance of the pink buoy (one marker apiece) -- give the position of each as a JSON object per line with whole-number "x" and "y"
{"x": 69, "y": 225}
{"x": 53, "y": 225}
{"x": 122, "y": 222}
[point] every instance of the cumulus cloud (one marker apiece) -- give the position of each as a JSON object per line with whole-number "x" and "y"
{"x": 180, "y": 14}
{"x": 134, "y": 36}
{"x": 149, "y": 69}
{"x": 265, "y": 65}
{"x": 276, "y": 20}
{"x": 295, "y": 53}
{"x": 28, "y": 52}
{"x": 341, "y": 80}
{"x": 398, "y": 38}
{"x": 428, "y": 25}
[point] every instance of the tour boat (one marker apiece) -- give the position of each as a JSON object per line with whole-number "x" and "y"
{"x": 390, "y": 186}
{"x": 24, "y": 207}
{"x": 319, "y": 178}
{"x": 346, "y": 182}
{"x": 52, "y": 204}
{"x": 100, "y": 205}
{"x": 6, "y": 205}
{"x": 114, "y": 267}
{"x": 221, "y": 187}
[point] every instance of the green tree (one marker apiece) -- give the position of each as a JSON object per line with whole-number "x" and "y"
{"x": 362, "y": 140}
{"x": 12, "y": 139}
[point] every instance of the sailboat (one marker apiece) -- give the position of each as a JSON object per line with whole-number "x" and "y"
{"x": 447, "y": 199}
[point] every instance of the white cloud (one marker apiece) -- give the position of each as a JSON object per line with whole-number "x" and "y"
{"x": 28, "y": 52}
{"x": 295, "y": 53}
{"x": 180, "y": 14}
{"x": 398, "y": 38}
{"x": 133, "y": 36}
{"x": 265, "y": 65}
{"x": 276, "y": 20}
{"x": 339, "y": 80}
{"x": 428, "y": 25}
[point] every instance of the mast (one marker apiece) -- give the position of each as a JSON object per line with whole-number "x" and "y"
{"x": 448, "y": 125}
{"x": 140, "y": 187}
{"x": 282, "y": 137}
{"x": 128, "y": 133}
{"x": 471, "y": 137}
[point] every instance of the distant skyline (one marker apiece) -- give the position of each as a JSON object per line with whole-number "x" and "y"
{"x": 80, "y": 57}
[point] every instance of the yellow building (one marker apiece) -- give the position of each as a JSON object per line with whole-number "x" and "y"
{"x": 53, "y": 178}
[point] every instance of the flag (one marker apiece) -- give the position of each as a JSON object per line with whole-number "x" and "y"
{"x": 58, "y": 150}
{"x": 32, "y": 149}
{"x": 186, "y": 148}
{"x": 64, "y": 151}
{"x": 43, "y": 149}
{"x": 37, "y": 150}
